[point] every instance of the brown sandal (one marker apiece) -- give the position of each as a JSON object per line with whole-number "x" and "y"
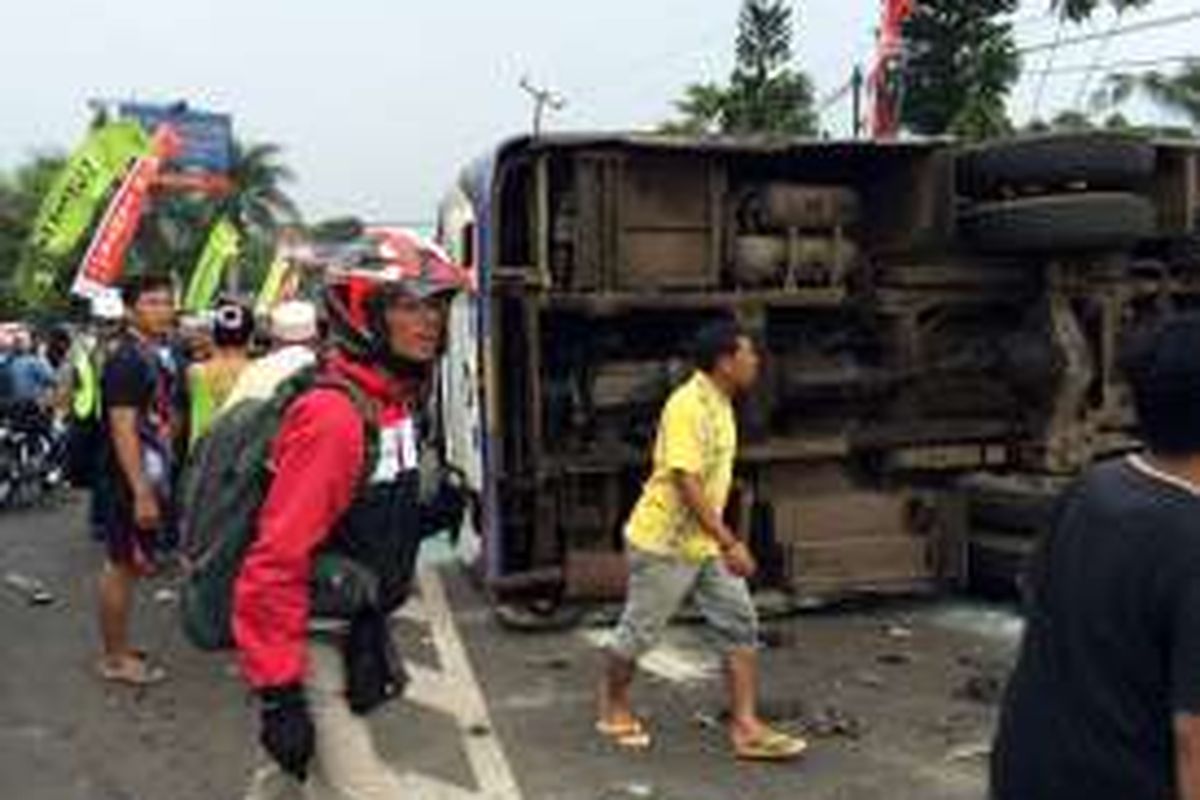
{"x": 134, "y": 670}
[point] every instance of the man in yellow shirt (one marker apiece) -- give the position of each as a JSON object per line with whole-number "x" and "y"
{"x": 678, "y": 545}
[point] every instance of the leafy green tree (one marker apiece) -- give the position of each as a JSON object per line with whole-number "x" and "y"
{"x": 702, "y": 110}
{"x": 258, "y": 207}
{"x": 259, "y": 203}
{"x": 21, "y": 194}
{"x": 962, "y": 62}
{"x": 1072, "y": 122}
{"x": 1177, "y": 93}
{"x": 1079, "y": 122}
{"x": 765, "y": 94}
{"x": 170, "y": 235}
{"x": 176, "y": 227}
{"x": 1079, "y": 10}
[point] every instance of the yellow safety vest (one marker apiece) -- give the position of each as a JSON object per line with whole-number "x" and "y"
{"x": 86, "y": 402}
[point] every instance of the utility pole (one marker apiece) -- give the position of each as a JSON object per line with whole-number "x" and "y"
{"x": 542, "y": 99}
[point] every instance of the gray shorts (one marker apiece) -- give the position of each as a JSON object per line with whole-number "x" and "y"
{"x": 659, "y": 585}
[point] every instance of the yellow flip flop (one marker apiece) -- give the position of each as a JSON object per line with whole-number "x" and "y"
{"x": 771, "y": 745}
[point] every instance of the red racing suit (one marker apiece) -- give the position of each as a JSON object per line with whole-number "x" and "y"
{"x": 317, "y": 502}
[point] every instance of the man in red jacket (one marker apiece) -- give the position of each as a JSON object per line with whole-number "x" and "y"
{"x": 338, "y": 536}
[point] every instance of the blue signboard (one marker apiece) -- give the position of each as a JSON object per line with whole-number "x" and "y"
{"x": 207, "y": 138}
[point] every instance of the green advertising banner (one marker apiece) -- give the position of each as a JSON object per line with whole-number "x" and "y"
{"x": 268, "y": 294}
{"x": 70, "y": 205}
{"x": 224, "y": 244}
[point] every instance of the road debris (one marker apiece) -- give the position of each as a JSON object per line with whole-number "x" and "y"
{"x": 632, "y": 791}
{"x": 557, "y": 663}
{"x": 983, "y": 688}
{"x": 872, "y": 680}
{"x": 832, "y": 721}
{"x": 969, "y": 752}
{"x": 895, "y": 659}
{"x": 31, "y": 589}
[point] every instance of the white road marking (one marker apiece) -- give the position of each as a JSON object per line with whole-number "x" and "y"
{"x": 422, "y": 787}
{"x": 433, "y": 689}
{"x": 456, "y": 691}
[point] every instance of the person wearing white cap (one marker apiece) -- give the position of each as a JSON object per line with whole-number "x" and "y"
{"x": 294, "y": 337}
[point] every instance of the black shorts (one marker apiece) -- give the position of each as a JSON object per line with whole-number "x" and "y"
{"x": 125, "y": 543}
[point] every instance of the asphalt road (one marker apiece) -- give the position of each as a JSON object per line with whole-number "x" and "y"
{"x": 895, "y": 699}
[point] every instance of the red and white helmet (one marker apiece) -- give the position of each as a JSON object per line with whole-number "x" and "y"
{"x": 365, "y": 274}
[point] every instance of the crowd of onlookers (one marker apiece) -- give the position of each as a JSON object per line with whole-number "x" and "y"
{"x": 205, "y": 359}
{"x": 136, "y": 388}
{"x": 50, "y": 378}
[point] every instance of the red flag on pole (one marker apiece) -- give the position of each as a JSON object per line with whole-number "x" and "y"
{"x": 885, "y": 74}
{"x": 105, "y": 256}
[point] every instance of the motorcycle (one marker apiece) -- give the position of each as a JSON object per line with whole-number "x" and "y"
{"x": 32, "y": 449}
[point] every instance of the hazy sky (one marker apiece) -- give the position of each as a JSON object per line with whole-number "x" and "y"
{"x": 379, "y": 102}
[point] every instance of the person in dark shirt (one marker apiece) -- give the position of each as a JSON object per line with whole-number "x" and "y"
{"x": 1105, "y": 698}
{"x": 133, "y": 482}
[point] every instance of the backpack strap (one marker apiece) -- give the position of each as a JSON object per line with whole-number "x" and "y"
{"x": 368, "y": 411}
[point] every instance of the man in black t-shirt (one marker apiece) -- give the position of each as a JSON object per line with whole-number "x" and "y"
{"x": 1104, "y": 703}
{"x": 133, "y": 481}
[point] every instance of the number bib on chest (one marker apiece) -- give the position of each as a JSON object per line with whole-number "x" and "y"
{"x": 397, "y": 451}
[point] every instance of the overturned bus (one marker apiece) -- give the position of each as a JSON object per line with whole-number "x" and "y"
{"x": 941, "y": 327}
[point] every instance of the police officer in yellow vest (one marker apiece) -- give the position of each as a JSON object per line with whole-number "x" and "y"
{"x": 80, "y": 395}
{"x": 85, "y": 395}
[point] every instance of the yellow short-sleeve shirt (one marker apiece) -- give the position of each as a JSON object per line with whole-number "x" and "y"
{"x": 697, "y": 434}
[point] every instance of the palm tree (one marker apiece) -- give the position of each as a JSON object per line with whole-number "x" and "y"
{"x": 702, "y": 110}
{"x": 258, "y": 204}
{"x": 1177, "y": 93}
{"x": 176, "y": 228}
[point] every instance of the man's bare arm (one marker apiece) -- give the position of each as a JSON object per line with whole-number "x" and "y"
{"x": 123, "y": 425}
{"x": 1187, "y": 755}
{"x": 710, "y": 521}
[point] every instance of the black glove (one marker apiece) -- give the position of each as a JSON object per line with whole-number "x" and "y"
{"x": 287, "y": 732}
{"x": 373, "y": 671}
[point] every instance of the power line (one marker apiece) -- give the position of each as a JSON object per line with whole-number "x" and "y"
{"x": 652, "y": 62}
{"x": 832, "y": 99}
{"x": 1143, "y": 63}
{"x": 1137, "y": 27}
{"x": 1041, "y": 86}
{"x": 1097, "y": 56}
